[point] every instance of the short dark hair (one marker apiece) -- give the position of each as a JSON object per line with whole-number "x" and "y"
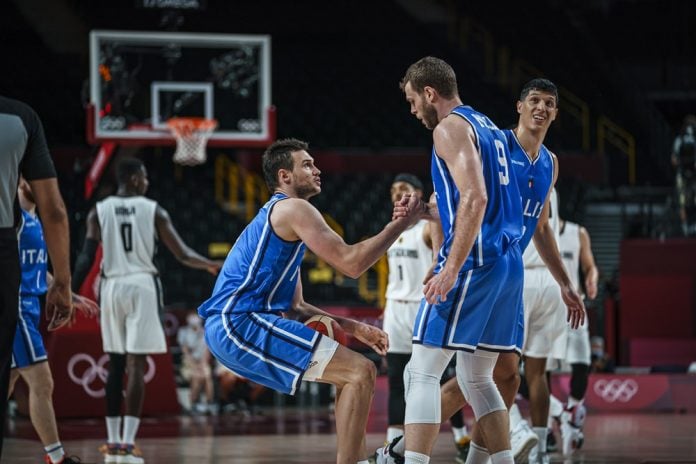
{"x": 432, "y": 72}
{"x": 279, "y": 156}
{"x": 126, "y": 168}
{"x": 414, "y": 181}
{"x": 541, "y": 84}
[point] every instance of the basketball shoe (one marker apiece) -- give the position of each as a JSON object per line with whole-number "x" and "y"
{"x": 572, "y": 421}
{"x": 111, "y": 452}
{"x": 523, "y": 440}
{"x": 65, "y": 460}
{"x": 462, "y": 445}
{"x": 130, "y": 455}
{"x": 386, "y": 455}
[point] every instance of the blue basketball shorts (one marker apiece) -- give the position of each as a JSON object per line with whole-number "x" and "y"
{"x": 263, "y": 347}
{"x": 28, "y": 345}
{"x": 483, "y": 310}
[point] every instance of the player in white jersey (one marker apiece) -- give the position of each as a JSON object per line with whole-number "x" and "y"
{"x": 544, "y": 336}
{"x": 410, "y": 259}
{"x": 576, "y": 251}
{"x": 128, "y": 225}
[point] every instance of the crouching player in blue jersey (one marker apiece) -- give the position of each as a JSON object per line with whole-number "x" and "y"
{"x": 28, "y": 352}
{"x": 260, "y": 280}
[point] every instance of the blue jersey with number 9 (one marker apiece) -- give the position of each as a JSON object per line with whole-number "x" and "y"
{"x": 502, "y": 221}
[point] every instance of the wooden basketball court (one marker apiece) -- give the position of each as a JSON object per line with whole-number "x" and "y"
{"x": 306, "y": 436}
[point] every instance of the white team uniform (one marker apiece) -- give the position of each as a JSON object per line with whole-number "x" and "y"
{"x": 130, "y": 295}
{"x": 578, "y": 351}
{"x": 409, "y": 259}
{"x": 544, "y": 310}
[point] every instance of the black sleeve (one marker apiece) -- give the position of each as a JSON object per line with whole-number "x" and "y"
{"x": 84, "y": 263}
{"x": 36, "y": 163}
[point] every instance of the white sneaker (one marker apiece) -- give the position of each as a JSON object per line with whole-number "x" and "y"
{"x": 385, "y": 455}
{"x": 523, "y": 440}
{"x": 572, "y": 421}
{"x": 536, "y": 457}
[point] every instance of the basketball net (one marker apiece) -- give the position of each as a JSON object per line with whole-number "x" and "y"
{"x": 191, "y": 136}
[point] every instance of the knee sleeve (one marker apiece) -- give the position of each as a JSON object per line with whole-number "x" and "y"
{"x": 578, "y": 380}
{"x": 422, "y": 384}
{"x": 475, "y": 378}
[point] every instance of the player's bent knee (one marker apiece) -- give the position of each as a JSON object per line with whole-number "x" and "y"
{"x": 422, "y": 396}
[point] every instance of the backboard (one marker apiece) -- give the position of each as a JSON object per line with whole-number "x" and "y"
{"x": 139, "y": 80}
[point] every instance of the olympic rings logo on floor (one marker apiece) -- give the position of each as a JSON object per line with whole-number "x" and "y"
{"x": 616, "y": 389}
{"x": 95, "y": 369}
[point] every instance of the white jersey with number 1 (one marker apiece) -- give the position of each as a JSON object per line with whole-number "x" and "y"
{"x": 409, "y": 259}
{"x": 128, "y": 235}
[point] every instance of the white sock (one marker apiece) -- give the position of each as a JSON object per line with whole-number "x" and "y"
{"x": 541, "y": 433}
{"x": 502, "y": 457}
{"x": 555, "y": 407}
{"x": 515, "y": 416}
{"x": 572, "y": 402}
{"x": 113, "y": 429}
{"x": 365, "y": 461}
{"x": 130, "y": 429}
{"x": 459, "y": 433}
{"x": 55, "y": 451}
{"x": 411, "y": 457}
{"x": 477, "y": 454}
{"x": 393, "y": 432}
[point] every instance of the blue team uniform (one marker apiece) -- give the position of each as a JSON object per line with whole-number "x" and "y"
{"x": 534, "y": 180}
{"x": 28, "y": 345}
{"x": 484, "y": 308}
{"x": 245, "y": 328}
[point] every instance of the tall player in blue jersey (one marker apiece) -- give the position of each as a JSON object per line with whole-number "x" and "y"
{"x": 466, "y": 310}
{"x": 28, "y": 352}
{"x": 536, "y": 170}
{"x": 260, "y": 280}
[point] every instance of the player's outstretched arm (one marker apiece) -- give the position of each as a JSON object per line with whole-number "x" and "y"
{"x": 183, "y": 253}
{"x": 296, "y": 219}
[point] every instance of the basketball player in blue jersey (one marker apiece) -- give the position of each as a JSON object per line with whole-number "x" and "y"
{"x": 547, "y": 285}
{"x": 260, "y": 281}
{"x": 28, "y": 354}
{"x": 535, "y": 169}
{"x": 466, "y": 310}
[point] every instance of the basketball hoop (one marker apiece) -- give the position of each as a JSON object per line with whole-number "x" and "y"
{"x": 191, "y": 136}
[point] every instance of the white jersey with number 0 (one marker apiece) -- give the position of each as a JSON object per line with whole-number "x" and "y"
{"x": 409, "y": 259}
{"x": 127, "y": 234}
{"x": 531, "y": 256}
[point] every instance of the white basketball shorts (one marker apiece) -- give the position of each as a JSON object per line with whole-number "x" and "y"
{"x": 399, "y": 318}
{"x": 130, "y": 320}
{"x": 544, "y": 315}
